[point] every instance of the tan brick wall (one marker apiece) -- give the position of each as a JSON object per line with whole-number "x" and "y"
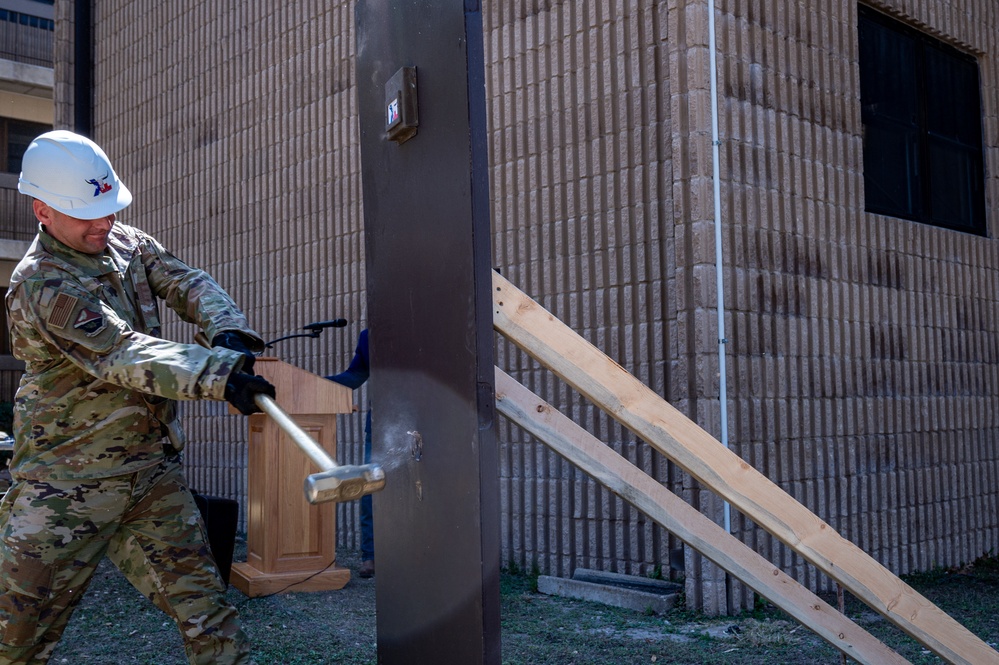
{"x": 582, "y": 212}
{"x": 234, "y": 126}
{"x": 861, "y": 349}
{"x": 861, "y": 365}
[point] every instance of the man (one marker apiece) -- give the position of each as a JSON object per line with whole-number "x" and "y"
{"x": 354, "y": 377}
{"x": 96, "y": 468}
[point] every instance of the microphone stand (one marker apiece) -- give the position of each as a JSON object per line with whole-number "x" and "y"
{"x": 314, "y": 330}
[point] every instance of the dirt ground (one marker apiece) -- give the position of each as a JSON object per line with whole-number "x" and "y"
{"x": 114, "y": 624}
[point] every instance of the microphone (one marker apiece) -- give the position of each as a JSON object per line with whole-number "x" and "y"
{"x": 320, "y": 325}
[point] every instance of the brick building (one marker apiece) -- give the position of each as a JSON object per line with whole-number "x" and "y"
{"x": 856, "y": 208}
{"x": 26, "y": 109}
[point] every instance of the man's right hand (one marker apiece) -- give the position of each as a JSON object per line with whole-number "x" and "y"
{"x": 236, "y": 342}
{"x": 241, "y": 388}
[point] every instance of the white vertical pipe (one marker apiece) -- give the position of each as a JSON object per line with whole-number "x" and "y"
{"x": 719, "y": 262}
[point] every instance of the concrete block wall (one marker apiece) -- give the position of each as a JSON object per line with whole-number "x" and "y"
{"x": 861, "y": 349}
{"x": 861, "y": 363}
{"x": 582, "y": 219}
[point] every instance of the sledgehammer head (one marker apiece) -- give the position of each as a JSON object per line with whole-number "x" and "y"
{"x": 344, "y": 483}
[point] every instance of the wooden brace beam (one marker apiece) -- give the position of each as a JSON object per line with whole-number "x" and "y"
{"x": 637, "y": 407}
{"x": 674, "y": 514}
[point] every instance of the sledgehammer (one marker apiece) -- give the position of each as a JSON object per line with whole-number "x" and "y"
{"x": 334, "y": 482}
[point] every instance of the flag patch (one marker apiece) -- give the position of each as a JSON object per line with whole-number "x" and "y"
{"x": 62, "y": 308}
{"x": 89, "y": 321}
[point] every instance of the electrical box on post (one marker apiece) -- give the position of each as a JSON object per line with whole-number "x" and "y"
{"x": 402, "y": 116}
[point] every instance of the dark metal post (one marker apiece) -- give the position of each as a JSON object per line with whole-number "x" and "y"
{"x": 83, "y": 66}
{"x": 421, "y": 101}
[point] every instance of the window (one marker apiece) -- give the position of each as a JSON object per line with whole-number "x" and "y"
{"x": 27, "y": 19}
{"x": 921, "y": 110}
{"x": 5, "y": 330}
{"x": 16, "y": 136}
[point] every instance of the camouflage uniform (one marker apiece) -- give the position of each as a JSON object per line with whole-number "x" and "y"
{"x": 92, "y": 413}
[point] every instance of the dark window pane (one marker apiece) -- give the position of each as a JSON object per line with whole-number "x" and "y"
{"x": 953, "y": 172}
{"x": 953, "y": 108}
{"x": 4, "y": 332}
{"x": 19, "y": 135}
{"x": 887, "y": 83}
{"x": 890, "y": 168}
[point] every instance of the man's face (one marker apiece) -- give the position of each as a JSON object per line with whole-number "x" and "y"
{"x": 89, "y": 236}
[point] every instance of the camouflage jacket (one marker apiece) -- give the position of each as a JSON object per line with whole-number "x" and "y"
{"x": 97, "y": 396}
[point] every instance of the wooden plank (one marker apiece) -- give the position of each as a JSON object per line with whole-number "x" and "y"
{"x": 633, "y": 485}
{"x": 634, "y": 405}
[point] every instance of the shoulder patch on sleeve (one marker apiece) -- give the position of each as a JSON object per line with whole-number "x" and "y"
{"x": 61, "y": 310}
{"x": 89, "y": 321}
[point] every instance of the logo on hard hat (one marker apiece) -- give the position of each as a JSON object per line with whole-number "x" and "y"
{"x": 100, "y": 186}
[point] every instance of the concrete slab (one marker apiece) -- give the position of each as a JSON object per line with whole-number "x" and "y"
{"x": 641, "y": 594}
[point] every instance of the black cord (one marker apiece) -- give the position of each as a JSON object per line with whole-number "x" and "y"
{"x": 313, "y": 334}
{"x": 314, "y": 330}
{"x": 291, "y": 584}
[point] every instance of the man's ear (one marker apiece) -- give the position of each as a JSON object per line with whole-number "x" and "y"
{"x": 43, "y": 213}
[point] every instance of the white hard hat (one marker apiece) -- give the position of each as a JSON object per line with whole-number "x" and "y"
{"x": 72, "y": 174}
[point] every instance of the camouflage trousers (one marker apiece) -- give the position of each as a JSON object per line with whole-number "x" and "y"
{"x": 54, "y": 533}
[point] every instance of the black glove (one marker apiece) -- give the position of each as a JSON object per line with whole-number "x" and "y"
{"x": 236, "y": 342}
{"x": 240, "y": 389}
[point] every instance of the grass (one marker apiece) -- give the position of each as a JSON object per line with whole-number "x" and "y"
{"x": 114, "y": 624}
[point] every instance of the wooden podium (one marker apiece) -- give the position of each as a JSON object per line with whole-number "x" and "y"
{"x": 291, "y": 544}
